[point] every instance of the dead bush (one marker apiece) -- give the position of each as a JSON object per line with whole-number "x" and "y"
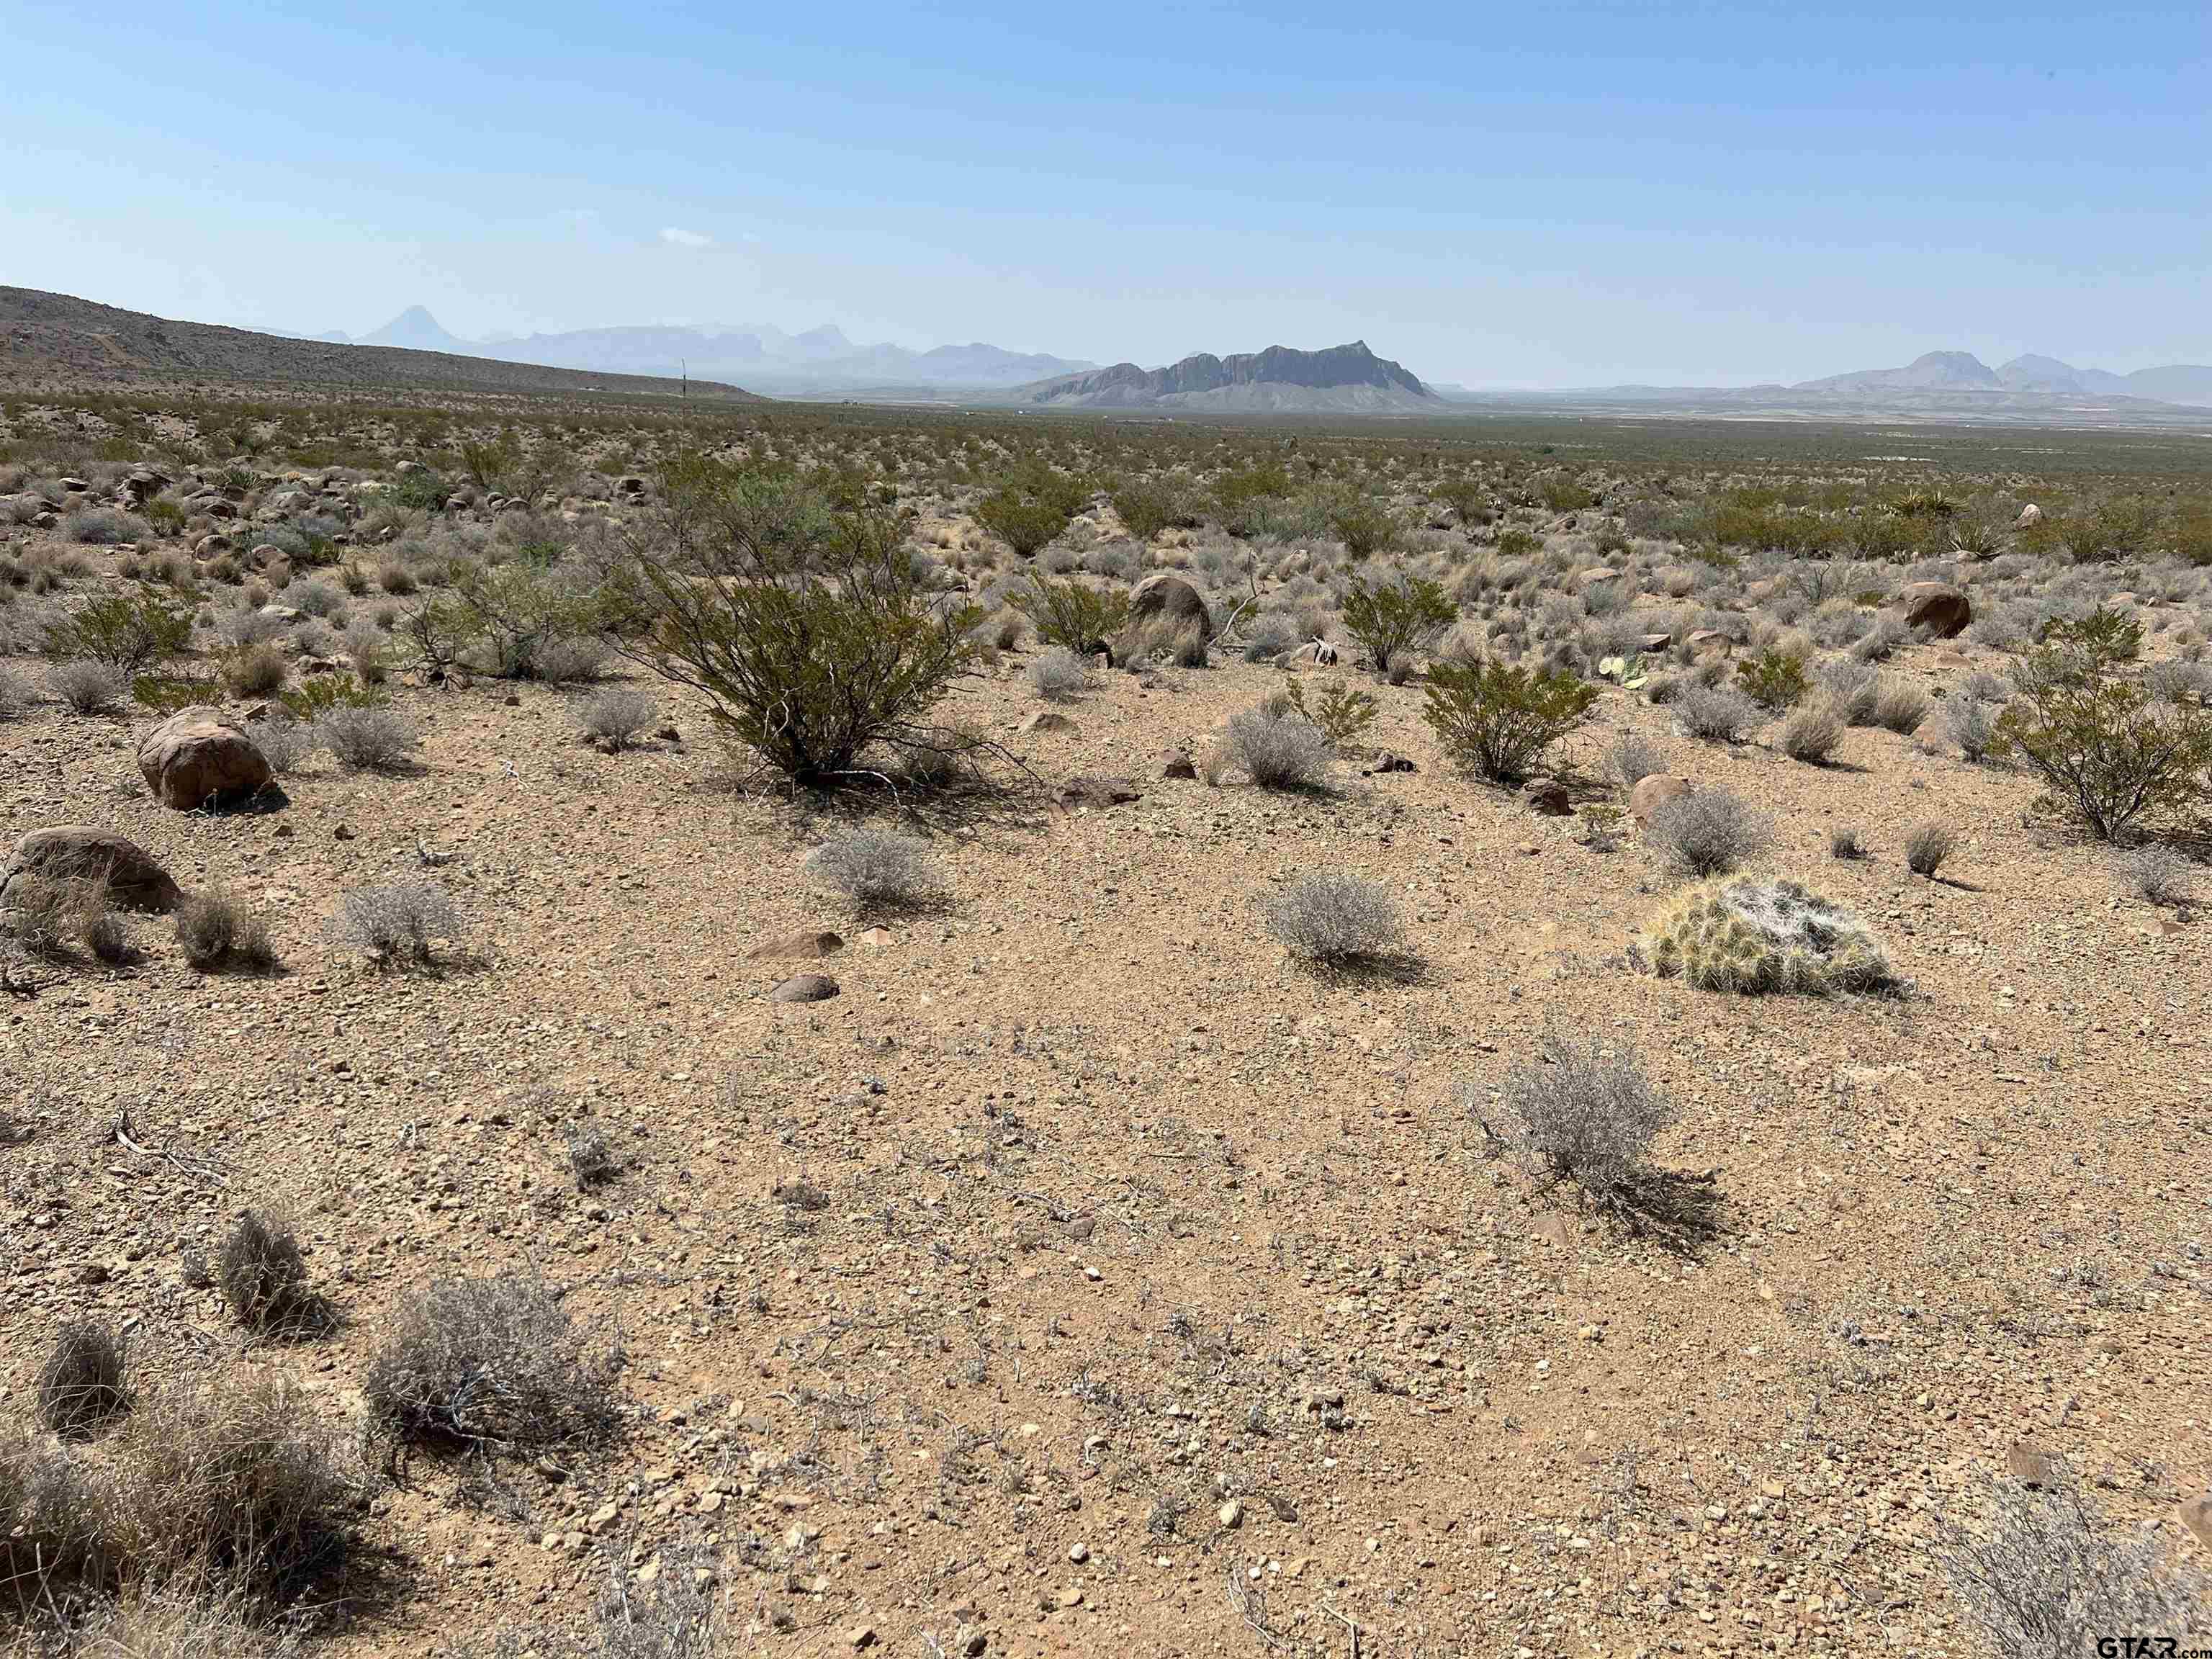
{"x": 397, "y": 924}
{"x": 616, "y": 715}
{"x": 1580, "y": 1115}
{"x": 1276, "y": 747}
{"x": 1715, "y": 716}
{"x": 86, "y": 686}
{"x": 2158, "y": 875}
{"x": 1335, "y": 919}
{"x": 1708, "y": 832}
{"x": 876, "y": 867}
{"x": 82, "y": 1384}
{"x": 263, "y": 1277}
{"x": 490, "y": 1363}
{"x": 216, "y": 931}
{"x": 2040, "y": 1577}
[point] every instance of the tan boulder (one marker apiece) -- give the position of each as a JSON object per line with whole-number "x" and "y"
{"x": 1936, "y": 608}
{"x": 1653, "y": 792}
{"x": 74, "y": 853}
{"x": 195, "y": 756}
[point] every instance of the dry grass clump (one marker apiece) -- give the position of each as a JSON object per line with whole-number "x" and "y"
{"x": 86, "y": 687}
{"x": 46, "y": 918}
{"x": 1764, "y": 935}
{"x": 1927, "y": 848}
{"x": 1275, "y": 747}
{"x": 1811, "y": 734}
{"x": 82, "y": 1382}
{"x": 1711, "y": 715}
{"x": 1058, "y": 674}
{"x": 170, "y": 1623}
{"x": 616, "y": 715}
{"x": 367, "y": 738}
{"x": 1707, "y": 832}
{"x": 1853, "y": 689}
{"x": 255, "y": 671}
{"x": 17, "y": 695}
{"x": 1971, "y": 723}
{"x": 1899, "y": 707}
{"x": 398, "y": 923}
{"x": 286, "y": 744}
{"x": 1844, "y": 842}
{"x": 234, "y": 1488}
{"x": 1580, "y": 1115}
{"x": 876, "y": 867}
{"x": 2039, "y": 1576}
{"x": 1335, "y": 919}
{"x": 218, "y": 931}
{"x": 492, "y": 1363}
{"x": 263, "y": 1277}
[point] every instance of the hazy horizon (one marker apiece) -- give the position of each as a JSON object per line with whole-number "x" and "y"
{"x": 1584, "y": 197}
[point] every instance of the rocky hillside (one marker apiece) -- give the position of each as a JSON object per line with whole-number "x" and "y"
{"x": 1346, "y": 379}
{"x": 55, "y": 339}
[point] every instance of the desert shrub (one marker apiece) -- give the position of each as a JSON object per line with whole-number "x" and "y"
{"x": 1392, "y": 619}
{"x": 1811, "y": 734}
{"x": 877, "y": 867}
{"x": 806, "y": 627}
{"x": 263, "y": 1277}
{"x": 1845, "y": 842}
{"x": 47, "y": 917}
{"x": 616, "y": 715}
{"x": 1631, "y": 759}
{"x": 126, "y": 631}
{"x": 2040, "y": 1575}
{"x": 1578, "y": 1116}
{"x": 82, "y": 1384}
{"x": 2158, "y": 875}
{"x": 1926, "y": 849}
{"x": 1712, "y": 715}
{"x": 1853, "y": 689}
{"x": 1973, "y": 725}
{"x": 1881, "y": 642}
{"x": 178, "y": 1623}
{"x": 519, "y": 621}
{"x": 1030, "y": 507}
{"x": 17, "y": 695}
{"x": 1335, "y": 919}
{"x": 86, "y": 687}
{"x": 1151, "y": 506}
{"x": 104, "y": 527}
{"x": 494, "y": 1364}
{"x": 1707, "y": 832}
{"x": 284, "y": 743}
{"x": 1759, "y": 935}
{"x": 1366, "y": 525}
{"x": 1339, "y": 714}
{"x": 398, "y": 923}
{"x": 241, "y": 1485}
{"x": 254, "y": 670}
{"x": 1497, "y": 719}
{"x": 1899, "y": 707}
{"x": 102, "y": 931}
{"x": 2100, "y": 742}
{"x": 369, "y": 649}
{"x": 217, "y": 930}
{"x": 1775, "y": 679}
{"x": 1059, "y": 674}
{"x": 169, "y": 694}
{"x": 320, "y": 694}
{"x": 1276, "y": 747}
{"x": 366, "y": 739}
{"x": 1072, "y": 615}
{"x": 591, "y": 1157}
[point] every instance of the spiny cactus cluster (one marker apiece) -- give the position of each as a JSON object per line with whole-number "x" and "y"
{"x": 1762, "y": 935}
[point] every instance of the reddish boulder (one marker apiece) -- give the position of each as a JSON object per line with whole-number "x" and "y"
{"x": 195, "y": 756}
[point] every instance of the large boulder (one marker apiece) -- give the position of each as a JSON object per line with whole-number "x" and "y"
{"x": 1936, "y": 608}
{"x": 1169, "y": 599}
{"x": 2030, "y": 515}
{"x": 195, "y": 756}
{"x": 1653, "y": 791}
{"x": 75, "y": 853}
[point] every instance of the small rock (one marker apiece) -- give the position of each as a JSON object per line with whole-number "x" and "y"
{"x": 1230, "y": 1514}
{"x": 1047, "y": 719}
{"x": 1548, "y": 797}
{"x": 1176, "y": 764}
{"x": 804, "y": 988}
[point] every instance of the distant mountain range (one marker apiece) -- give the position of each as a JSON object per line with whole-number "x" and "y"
{"x": 763, "y": 354}
{"x": 1947, "y": 386}
{"x": 1346, "y": 379}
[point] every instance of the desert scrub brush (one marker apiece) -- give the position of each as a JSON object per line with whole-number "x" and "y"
{"x": 1761, "y": 935}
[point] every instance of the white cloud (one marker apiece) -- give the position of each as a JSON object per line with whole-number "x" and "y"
{"x": 676, "y": 237}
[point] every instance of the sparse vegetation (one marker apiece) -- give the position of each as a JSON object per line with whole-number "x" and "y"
{"x": 494, "y": 1364}
{"x": 2157, "y": 875}
{"x": 877, "y": 868}
{"x": 1811, "y": 734}
{"x": 1059, "y": 674}
{"x": 398, "y": 923}
{"x": 82, "y": 1385}
{"x": 263, "y": 1276}
{"x": 1275, "y": 747}
{"x": 367, "y": 738}
{"x": 1712, "y": 715}
{"x": 1707, "y": 832}
{"x": 87, "y": 687}
{"x": 616, "y": 715}
{"x": 217, "y": 930}
{"x": 1391, "y": 619}
{"x": 1335, "y": 920}
{"x": 1927, "y": 847}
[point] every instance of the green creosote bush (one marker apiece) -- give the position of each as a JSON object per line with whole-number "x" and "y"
{"x": 1392, "y": 619}
{"x": 1495, "y": 718}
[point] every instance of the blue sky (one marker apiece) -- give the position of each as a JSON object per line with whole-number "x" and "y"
{"x": 1560, "y": 195}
